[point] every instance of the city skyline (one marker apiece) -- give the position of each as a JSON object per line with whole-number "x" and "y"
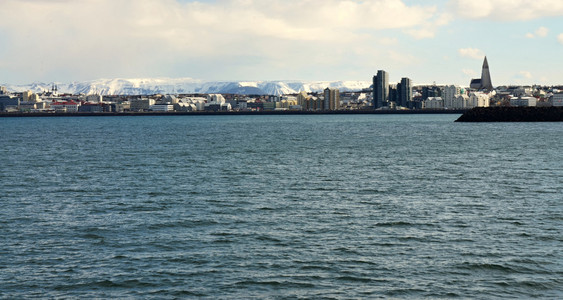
{"x": 442, "y": 41}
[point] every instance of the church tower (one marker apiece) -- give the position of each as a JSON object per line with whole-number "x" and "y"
{"x": 486, "y": 83}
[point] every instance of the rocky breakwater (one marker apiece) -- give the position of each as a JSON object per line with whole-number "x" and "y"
{"x": 513, "y": 114}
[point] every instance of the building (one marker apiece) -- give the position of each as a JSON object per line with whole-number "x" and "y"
{"x": 162, "y": 107}
{"x": 460, "y": 102}
{"x": 9, "y": 103}
{"x": 431, "y": 91}
{"x": 557, "y": 99}
{"x": 141, "y": 104}
{"x": 91, "y": 108}
{"x": 380, "y": 89}
{"x": 433, "y": 103}
{"x": 449, "y": 95}
{"x": 215, "y": 99}
{"x": 331, "y": 99}
{"x": 477, "y": 99}
{"x": 26, "y": 96}
{"x": 301, "y": 98}
{"x": 405, "y": 92}
{"x": 523, "y": 101}
{"x": 66, "y": 106}
{"x": 94, "y": 98}
{"x": 483, "y": 83}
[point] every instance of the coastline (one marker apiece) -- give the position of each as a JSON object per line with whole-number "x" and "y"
{"x": 513, "y": 114}
{"x": 234, "y": 113}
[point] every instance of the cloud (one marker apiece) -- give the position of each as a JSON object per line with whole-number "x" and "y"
{"x": 560, "y": 38}
{"x": 93, "y": 38}
{"x": 507, "y": 10}
{"x": 471, "y": 53}
{"x": 540, "y": 32}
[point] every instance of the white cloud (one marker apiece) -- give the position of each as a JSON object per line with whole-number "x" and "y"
{"x": 540, "y": 32}
{"x": 507, "y": 10}
{"x": 471, "y": 53}
{"x": 95, "y": 38}
{"x": 560, "y": 38}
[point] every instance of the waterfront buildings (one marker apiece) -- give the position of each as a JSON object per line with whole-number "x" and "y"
{"x": 380, "y": 89}
{"x": 477, "y": 99}
{"x": 523, "y": 101}
{"x": 449, "y": 95}
{"x": 405, "y": 92}
{"x": 433, "y": 103}
{"x": 557, "y": 99}
{"x": 66, "y": 106}
{"x": 331, "y": 99}
{"x": 143, "y": 104}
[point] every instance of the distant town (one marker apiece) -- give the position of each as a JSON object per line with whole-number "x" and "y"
{"x": 382, "y": 95}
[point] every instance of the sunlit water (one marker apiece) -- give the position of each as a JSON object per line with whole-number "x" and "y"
{"x": 323, "y": 206}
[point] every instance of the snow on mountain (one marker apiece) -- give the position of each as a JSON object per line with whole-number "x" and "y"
{"x": 151, "y": 86}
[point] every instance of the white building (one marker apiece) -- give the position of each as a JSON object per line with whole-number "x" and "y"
{"x": 215, "y": 99}
{"x": 523, "y": 101}
{"x": 94, "y": 98}
{"x": 162, "y": 107}
{"x": 449, "y": 95}
{"x": 460, "y": 102}
{"x": 433, "y": 103}
{"x": 169, "y": 99}
{"x": 68, "y": 106}
{"x": 477, "y": 99}
{"x": 557, "y": 99}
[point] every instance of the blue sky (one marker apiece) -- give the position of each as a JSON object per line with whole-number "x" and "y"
{"x": 440, "y": 41}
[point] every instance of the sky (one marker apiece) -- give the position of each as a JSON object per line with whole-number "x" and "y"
{"x": 441, "y": 41}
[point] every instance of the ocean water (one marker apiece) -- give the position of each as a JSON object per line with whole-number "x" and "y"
{"x": 280, "y": 207}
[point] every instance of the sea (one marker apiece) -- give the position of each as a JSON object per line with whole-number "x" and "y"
{"x": 280, "y": 207}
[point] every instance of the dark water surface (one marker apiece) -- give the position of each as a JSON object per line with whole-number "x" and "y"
{"x": 327, "y": 206}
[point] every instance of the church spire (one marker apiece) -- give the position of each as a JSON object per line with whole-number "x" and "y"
{"x": 486, "y": 83}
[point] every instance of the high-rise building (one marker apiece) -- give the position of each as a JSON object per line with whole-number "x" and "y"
{"x": 405, "y": 92}
{"x": 331, "y": 99}
{"x": 26, "y": 96}
{"x": 380, "y": 89}
{"x": 483, "y": 83}
{"x": 301, "y": 98}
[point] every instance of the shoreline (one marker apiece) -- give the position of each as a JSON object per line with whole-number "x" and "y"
{"x": 513, "y": 114}
{"x": 234, "y": 113}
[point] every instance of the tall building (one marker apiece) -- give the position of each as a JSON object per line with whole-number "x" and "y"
{"x": 331, "y": 99}
{"x": 301, "y": 98}
{"x": 26, "y": 96}
{"x": 405, "y": 92}
{"x": 450, "y": 94}
{"x": 380, "y": 89}
{"x": 483, "y": 83}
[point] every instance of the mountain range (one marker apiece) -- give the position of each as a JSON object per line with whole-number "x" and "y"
{"x": 151, "y": 86}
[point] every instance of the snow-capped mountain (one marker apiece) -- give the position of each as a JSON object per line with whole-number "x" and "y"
{"x": 151, "y": 86}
